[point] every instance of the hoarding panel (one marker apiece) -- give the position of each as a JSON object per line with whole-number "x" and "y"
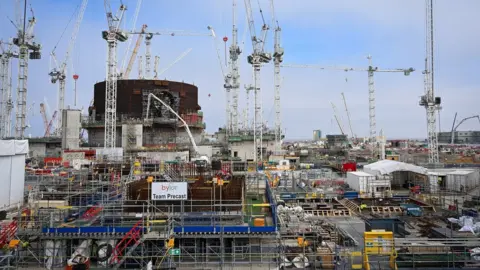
{"x": 169, "y": 191}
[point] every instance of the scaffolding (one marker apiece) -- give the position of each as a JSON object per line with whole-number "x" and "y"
{"x": 104, "y": 211}
{"x": 234, "y": 218}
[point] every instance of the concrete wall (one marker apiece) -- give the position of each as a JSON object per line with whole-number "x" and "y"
{"x": 44, "y": 149}
{"x": 71, "y": 126}
{"x": 96, "y": 137}
{"x": 37, "y": 149}
{"x": 136, "y": 132}
{"x": 244, "y": 149}
{"x": 461, "y": 137}
{"x": 165, "y": 156}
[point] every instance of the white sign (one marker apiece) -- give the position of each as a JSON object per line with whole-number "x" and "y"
{"x": 169, "y": 191}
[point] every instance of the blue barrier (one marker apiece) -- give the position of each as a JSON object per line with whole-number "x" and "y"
{"x": 82, "y": 230}
{"x": 350, "y": 194}
{"x": 271, "y": 201}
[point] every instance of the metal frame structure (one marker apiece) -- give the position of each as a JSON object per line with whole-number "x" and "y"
{"x": 277, "y": 60}
{"x": 429, "y": 101}
{"x": 112, "y": 36}
{"x": 59, "y": 73}
{"x": 257, "y": 59}
{"x": 27, "y": 49}
{"x": 6, "y": 104}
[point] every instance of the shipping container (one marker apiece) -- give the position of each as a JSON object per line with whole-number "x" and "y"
{"x": 367, "y": 184}
{"x": 462, "y": 180}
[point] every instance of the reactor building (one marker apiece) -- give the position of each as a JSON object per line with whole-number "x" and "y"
{"x": 134, "y": 130}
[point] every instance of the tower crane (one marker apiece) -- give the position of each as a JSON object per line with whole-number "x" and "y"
{"x": 335, "y": 113}
{"x": 227, "y": 81}
{"x": 58, "y": 73}
{"x": 348, "y": 115}
{"x": 257, "y": 59}
{"x": 429, "y": 101}
{"x": 112, "y": 36}
{"x": 461, "y": 122}
{"x": 6, "y": 105}
{"x": 234, "y": 52}
{"x": 371, "y": 85}
{"x": 277, "y": 60}
{"x": 27, "y": 49}
{"x": 134, "y": 53}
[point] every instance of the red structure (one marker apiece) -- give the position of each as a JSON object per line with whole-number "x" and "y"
{"x": 130, "y": 239}
{"x": 7, "y": 233}
{"x": 349, "y": 167}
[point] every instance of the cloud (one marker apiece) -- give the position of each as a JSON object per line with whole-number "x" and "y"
{"x": 322, "y": 32}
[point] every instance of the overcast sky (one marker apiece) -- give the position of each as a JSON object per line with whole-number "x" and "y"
{"x": 314, "y": 32}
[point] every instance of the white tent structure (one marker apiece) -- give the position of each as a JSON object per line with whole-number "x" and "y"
{"x": 384, "y": 167}
{"x": 12, "y": 168}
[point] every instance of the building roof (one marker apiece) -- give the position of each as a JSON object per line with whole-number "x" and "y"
{"x": 390, "y": 166}
{"x": 462, "y": 172}
{"x": 359, "y": 173}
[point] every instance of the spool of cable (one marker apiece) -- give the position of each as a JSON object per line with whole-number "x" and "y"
{"x": 104, "y": 252}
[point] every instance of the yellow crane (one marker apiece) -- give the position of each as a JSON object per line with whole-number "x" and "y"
{"x": 134, "y": 52}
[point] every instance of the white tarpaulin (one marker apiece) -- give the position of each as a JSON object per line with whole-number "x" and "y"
{"x": 13, "y": 147}
{"x": 389, "y": 166}
{"x": 12, "y": 168}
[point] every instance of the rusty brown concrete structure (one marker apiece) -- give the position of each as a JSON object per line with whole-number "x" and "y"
{"x": 129, "y": 96}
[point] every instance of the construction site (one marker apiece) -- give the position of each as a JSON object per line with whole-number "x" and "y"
{"x": 136, "y": 182}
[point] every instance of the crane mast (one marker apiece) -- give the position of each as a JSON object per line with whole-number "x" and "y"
{"x": 256, "y": 59}
{"x": 155, "y": 67}
{"x": 248, "y": 89}
{"x": 6, "y": 104}
{"x": 277, "y": 60}
{"x": 140, "y": 68}
{"x": 234, "y": 75}
{"x": 148, "y": 56}
{"x": 28, "y": 49}
{"x": 371, "y": 100}
{"x": 112, "y": 36}
{"x": 429, "y": 101}
{"x": 58, "y": 74}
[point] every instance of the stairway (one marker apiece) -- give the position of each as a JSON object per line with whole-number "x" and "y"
{"x": 350, "y": 205}
{"x": 8, "y": 232}
{"x": 127, "y": 245}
